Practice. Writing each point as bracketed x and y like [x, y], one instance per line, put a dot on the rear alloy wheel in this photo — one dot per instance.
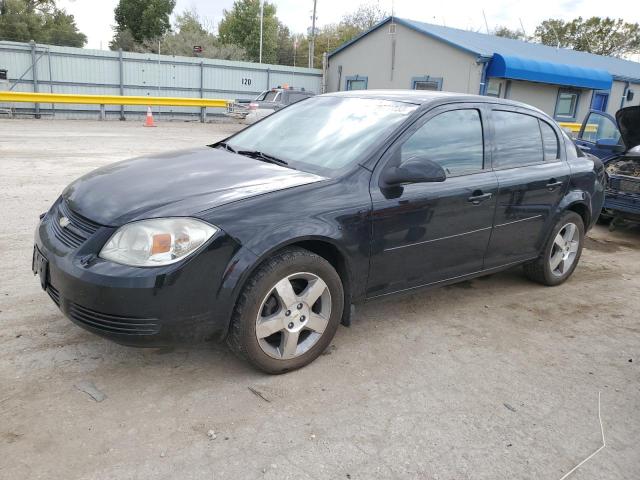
[288, 312]
[561, 254]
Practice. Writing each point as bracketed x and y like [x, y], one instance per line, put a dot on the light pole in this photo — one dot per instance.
[261, 21]
[312, 42]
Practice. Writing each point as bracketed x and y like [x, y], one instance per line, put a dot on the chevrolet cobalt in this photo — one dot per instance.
[267, 238]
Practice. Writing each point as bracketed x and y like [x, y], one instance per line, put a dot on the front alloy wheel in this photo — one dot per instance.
[288, 312]
[293, 316]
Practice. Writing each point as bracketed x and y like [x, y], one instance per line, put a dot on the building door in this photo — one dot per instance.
[425, 233]
[600, 101]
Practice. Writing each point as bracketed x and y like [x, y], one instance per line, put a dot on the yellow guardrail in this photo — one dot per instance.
[574, 127]
[29, 97]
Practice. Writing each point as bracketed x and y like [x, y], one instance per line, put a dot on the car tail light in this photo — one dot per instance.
[253, 106]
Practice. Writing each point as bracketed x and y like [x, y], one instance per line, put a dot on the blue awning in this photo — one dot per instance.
[521, 68]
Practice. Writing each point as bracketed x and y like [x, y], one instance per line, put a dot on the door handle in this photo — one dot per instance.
[553, 184]
[479, 197]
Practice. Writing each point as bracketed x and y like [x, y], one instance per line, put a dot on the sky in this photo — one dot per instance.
[95, 17]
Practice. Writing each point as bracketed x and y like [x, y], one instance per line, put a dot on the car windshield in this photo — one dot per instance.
[323, 134]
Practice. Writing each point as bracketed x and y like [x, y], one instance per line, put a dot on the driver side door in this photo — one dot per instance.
[598, 127]
[427, 233]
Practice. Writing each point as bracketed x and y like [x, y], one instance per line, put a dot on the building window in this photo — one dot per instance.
[494, 87]
[357, 82]
[426, 83]
[567, 105]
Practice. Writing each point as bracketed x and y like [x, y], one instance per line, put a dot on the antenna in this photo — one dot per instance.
[486, 24]
[524, 32]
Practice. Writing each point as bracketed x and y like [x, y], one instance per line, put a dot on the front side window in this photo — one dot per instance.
[600, 127]
[324, 133]
[517, 139]
[452, 139]
[567, 105]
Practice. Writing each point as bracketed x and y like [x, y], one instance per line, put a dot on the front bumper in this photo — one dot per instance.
[135, 306]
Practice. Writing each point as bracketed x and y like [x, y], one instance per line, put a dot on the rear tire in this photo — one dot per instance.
[288, 312]
[561, 253]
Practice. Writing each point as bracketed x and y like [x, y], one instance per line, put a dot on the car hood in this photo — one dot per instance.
[179, 183]
[629, 124]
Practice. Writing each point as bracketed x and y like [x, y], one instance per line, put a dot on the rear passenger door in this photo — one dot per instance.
[532, 177]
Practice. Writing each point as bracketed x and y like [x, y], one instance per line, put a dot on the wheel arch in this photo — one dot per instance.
[324, 247]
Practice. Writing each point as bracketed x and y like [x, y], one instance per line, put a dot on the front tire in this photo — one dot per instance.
[561, 253]
[288, 312]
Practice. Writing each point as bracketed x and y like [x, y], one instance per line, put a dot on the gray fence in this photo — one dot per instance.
[47, 68]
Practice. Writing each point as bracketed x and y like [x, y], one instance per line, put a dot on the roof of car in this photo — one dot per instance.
[423, 97]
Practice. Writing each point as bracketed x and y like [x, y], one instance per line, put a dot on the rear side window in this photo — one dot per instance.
[550, 142]
[453, 139]
[517, 139]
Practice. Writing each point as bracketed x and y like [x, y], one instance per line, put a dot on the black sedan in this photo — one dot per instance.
[267, 238]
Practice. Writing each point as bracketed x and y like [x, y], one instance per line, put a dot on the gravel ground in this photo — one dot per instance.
[495, 378]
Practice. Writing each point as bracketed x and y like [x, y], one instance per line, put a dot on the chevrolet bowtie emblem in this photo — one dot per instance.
[64, 221]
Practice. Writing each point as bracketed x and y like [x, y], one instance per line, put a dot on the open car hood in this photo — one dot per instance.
[629, 124]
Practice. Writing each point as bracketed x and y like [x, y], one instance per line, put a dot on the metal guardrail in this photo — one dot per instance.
[102, 100]
[30, 97]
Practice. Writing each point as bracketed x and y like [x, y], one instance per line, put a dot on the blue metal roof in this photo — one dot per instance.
[520, 68]
[486, 46]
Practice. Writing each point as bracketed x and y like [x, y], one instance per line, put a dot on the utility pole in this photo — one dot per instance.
[312, 41]
[261, 21]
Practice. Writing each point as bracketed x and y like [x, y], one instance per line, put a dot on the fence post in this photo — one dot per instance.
[121, 66]
[34, 74]
[203, 110]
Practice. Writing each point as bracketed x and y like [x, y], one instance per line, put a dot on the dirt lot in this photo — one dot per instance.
[496, 378]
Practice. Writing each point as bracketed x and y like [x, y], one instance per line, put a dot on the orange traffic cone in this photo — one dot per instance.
[149, 120]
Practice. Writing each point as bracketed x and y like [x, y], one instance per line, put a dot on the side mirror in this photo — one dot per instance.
[414, 170]
[610, 144]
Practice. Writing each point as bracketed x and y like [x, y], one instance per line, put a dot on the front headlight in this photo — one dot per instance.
[156, 242]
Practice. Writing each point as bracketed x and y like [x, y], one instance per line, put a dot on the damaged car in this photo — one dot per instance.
[617, 144]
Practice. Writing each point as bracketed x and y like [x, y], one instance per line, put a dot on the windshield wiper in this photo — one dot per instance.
[265, 157]
[226, 146]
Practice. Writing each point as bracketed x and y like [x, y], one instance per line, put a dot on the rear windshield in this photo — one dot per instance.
[268, 96]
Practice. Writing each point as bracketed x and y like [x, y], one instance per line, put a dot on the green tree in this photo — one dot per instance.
[506, 32]
[602, 36]
[241, 26]
[189, 31]
[144, 19]
[38, 20]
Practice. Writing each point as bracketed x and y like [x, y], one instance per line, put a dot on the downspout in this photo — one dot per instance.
[624, 94]
[483, 79]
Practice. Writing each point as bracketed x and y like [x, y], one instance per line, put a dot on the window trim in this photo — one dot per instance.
[558, 152]
[566, 118]
[356, 78]
[427, 78]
